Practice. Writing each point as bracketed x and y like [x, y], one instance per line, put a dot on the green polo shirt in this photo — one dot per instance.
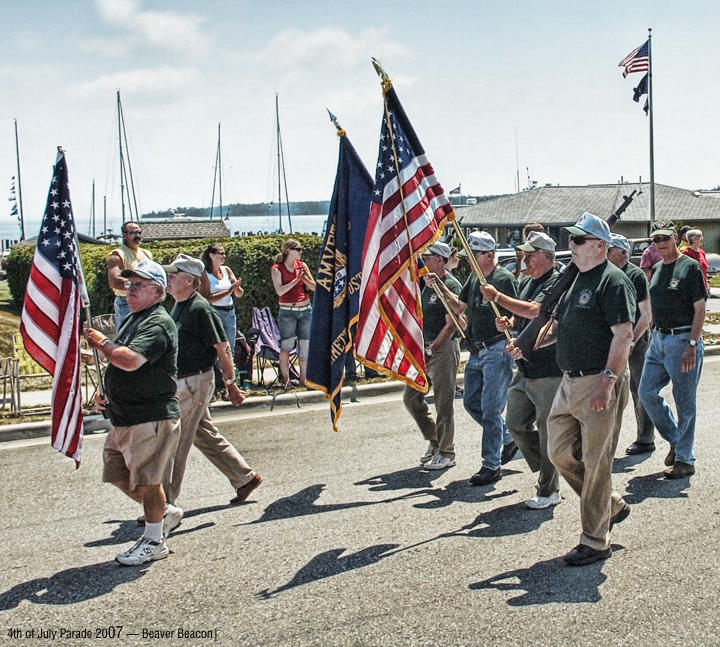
[199, 329]
[598, 299]
[433, 310]
[640, 283]
[543, 361]
[480, 314]
[674, 290]
[148, 393]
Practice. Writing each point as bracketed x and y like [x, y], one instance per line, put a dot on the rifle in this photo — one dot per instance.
[527, 341]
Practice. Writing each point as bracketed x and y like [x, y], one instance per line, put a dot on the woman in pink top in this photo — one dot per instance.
[293, 283]
[694, 250]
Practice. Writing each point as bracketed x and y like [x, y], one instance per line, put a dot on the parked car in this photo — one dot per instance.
[714, 264]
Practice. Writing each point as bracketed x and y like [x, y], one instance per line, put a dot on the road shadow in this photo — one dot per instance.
[303, 503]
[407, 479]
[549, 581]
[626, 464]
[72, 585]
[513, 519]
[463, 492]
[131, 530]
[655, 486]
[330, 563]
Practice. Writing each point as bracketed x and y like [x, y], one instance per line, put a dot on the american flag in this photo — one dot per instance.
[50, 323]
[389, 335]
[636, 61]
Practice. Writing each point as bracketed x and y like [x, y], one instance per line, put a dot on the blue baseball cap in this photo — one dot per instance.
[589, 225]
[619, 241]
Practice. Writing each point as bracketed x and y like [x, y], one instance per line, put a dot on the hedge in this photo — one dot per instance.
[249, 257]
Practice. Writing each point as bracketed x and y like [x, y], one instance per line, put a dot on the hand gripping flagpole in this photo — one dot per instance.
[386, 85]
[84, 298]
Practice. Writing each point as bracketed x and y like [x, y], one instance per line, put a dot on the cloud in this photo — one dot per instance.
[156, 82]
[328, 48]
[162, 29]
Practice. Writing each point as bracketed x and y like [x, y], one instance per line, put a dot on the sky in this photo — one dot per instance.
[490, 87]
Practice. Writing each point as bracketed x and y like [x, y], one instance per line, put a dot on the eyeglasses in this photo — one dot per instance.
[661, 238]
[581, 240]
[136, 285]
[220, 253]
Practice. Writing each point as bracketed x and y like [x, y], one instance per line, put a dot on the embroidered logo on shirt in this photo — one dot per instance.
[585, 297]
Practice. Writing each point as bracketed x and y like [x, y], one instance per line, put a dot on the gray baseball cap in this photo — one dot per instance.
[148, 270]
[619, 241]
[184, 263]
[537, 240]
[441, 249]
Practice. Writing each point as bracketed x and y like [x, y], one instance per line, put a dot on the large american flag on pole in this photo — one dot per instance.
[50, 323]
[407, 215]
[636, 61]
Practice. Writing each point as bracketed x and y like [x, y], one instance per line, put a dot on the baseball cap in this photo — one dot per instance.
[537, 240]
[589, 225]
[663, 229]
[148, 270]
[441, 249]
[184, 263]
[479, 241]
[619, 241]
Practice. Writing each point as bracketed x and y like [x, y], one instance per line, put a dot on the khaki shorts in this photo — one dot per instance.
[141, 454]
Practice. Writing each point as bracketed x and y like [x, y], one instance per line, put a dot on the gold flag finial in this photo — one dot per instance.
[333, 118]
[386, 82]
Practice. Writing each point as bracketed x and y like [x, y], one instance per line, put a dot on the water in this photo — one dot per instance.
[238, 225]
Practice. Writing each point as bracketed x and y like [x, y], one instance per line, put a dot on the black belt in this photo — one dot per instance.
[225, 308]
[191, 373]
[489, 342]
[674, 331]
[585, 373]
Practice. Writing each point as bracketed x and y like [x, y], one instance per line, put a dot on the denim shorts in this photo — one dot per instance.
[293, 323]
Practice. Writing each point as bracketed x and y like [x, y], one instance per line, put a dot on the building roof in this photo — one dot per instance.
[563, 205]
[183, 229]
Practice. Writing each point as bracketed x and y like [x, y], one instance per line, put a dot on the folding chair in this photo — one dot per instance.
[267, 347]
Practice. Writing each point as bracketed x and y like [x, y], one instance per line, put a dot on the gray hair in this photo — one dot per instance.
[692, 234]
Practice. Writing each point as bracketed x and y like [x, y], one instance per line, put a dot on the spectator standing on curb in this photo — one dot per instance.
[124, 257]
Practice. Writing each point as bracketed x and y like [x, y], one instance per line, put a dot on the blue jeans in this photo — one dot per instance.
[122, 310]
[487, 378]
[662, 364]
[229, 322]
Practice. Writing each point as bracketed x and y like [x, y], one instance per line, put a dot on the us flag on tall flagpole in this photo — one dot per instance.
[636, 61]
[50, 323]
[406, 216]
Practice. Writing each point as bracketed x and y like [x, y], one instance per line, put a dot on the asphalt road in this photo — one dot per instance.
[347, 542]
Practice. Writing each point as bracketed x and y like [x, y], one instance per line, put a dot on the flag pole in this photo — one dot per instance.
[652, 144]
[84, 298]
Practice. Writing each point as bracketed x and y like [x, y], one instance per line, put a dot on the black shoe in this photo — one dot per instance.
[485, 476]
[640, 448]
[623, 514]
[508, 452]
[582, 555]
[670, 458]
[680, 470]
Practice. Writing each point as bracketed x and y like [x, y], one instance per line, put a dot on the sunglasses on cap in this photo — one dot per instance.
[581, 240]
[661, 238]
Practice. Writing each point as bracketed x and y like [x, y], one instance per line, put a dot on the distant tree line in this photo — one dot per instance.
[307, 208]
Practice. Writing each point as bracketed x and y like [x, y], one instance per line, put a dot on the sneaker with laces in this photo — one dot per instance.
[541, 502]
[429, 454]
[440, 462]
[145, 550]
[172, 518]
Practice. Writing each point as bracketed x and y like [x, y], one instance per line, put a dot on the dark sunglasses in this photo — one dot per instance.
[661, 238]
[296, 249]
[221, 253]
[581, 240]
[136, 232]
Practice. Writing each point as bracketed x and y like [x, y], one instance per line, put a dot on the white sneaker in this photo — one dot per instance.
[145, 550]
[171, 519]
[429, 454]
[540, 502]
[440, 462]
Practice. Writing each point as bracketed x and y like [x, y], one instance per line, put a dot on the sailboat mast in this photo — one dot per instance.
[219, 167]
[122, 161]
[277, 138]
[215, 177]
[17, 156]
[92, 210]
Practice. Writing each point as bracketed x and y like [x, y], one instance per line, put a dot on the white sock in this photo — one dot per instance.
[153, 531]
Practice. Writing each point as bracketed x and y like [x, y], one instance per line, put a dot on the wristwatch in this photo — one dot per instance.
[692, 342]
[104, 341]
[608, 373]
[229, 381]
